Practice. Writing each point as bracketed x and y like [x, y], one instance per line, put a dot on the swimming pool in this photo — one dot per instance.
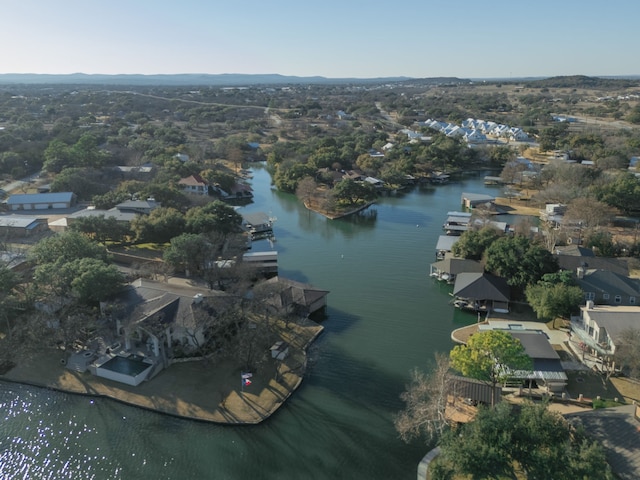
[130, 370]
[126, 365]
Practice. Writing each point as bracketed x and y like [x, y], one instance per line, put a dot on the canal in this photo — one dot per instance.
[385, 317]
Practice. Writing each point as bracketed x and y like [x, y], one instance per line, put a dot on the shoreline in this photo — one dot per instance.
[199, 391]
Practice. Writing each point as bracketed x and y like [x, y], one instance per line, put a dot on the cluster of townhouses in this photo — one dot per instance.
[478, 131]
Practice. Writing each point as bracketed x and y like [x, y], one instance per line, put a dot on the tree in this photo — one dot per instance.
[627, 353]
[623, 193]
[352, 192]
[491, 356]
[473, 243]
[554, 296]
[519, 260]
[101, 228]
[160, 226]
[589, 212]
[306, 190]
[529, 438]
[426, 401]
[189, 252]
[66, 247]
[89, 280]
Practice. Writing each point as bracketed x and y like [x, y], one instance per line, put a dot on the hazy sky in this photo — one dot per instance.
[331, 38]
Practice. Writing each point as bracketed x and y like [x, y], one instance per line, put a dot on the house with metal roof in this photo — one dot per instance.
[41, 201]
[444, 245]
[547, 371]
[14, 226]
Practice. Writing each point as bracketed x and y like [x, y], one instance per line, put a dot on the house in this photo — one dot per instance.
[377, 183]
[16, 226]
[633, 163]
[547, 372]
[160, 316]
[41, 201]
[194, 184]
[518, 135]
[481, 292]
[598, 327]
[475, 136]
[142, 207]
[299, 298]
[183, 157]
[570, 257]
[605, 287]
[123, 213]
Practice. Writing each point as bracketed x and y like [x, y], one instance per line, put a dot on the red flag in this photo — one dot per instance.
[246, 382]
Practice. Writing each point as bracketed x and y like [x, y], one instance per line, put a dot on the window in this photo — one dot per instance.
[618, 299]
[632, 300]
[605, 296]
[589, 295]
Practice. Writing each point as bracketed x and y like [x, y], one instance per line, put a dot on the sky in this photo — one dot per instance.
[330, 38]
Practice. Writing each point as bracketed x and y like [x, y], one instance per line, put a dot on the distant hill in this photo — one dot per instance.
[195, 79]
[582, 81]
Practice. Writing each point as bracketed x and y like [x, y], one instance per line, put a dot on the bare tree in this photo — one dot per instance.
[426, 401]
[628, 352]
[306, 190]
[589, 212]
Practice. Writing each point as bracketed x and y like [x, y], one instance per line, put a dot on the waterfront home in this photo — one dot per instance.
[599, 328]
[194, 184]
[547, 372]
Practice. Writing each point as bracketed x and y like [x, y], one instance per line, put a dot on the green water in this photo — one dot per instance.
[385, 316]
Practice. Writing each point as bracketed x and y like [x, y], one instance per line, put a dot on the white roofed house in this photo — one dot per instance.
[377, 183]
[518, 135]
[475, 136]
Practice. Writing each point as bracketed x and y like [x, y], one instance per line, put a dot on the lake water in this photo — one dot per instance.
[385, 317]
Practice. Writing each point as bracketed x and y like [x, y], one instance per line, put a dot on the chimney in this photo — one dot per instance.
[589, 304]
[580, 272]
